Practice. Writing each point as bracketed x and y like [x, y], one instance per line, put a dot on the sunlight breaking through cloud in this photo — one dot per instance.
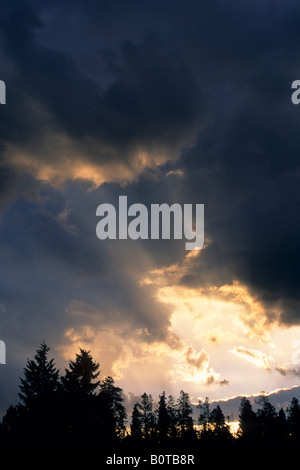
[254, 356]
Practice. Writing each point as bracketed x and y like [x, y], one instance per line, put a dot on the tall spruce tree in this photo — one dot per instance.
[247, 420]
[112, 410]
[148, 415]
[217, 419]
[163, 421]
[267, 417]
[40, 382]
[78, 400]
[80, 378]
[293, 418]
[185, 412]
[204, 415]
[173, 416]
[136, 426]
[37, 413]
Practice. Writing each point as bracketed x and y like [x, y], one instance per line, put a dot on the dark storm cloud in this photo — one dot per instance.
[245, 167]
[249, 183]
[149, 109]
[148, 73]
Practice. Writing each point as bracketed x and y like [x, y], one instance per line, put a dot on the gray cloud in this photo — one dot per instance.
[294, 372]
[197, 360]
[150, 108]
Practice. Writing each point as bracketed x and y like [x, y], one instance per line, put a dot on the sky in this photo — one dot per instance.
[185, 102]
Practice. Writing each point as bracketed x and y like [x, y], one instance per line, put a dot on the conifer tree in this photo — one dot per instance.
[81, 376]
[40, 382]
[247, 419]
[293, 418]
[282, 425]
[78, 400]
[204, 415]
[173, 416]
[136, 426]
[113, 411]
[148, 415]
[185, 412]
[217, 419]
[163, 421]
[38, 410]
[267, 417]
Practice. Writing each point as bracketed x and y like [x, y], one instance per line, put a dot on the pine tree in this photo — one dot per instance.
[293, 418]
[282, 425]
[185, 412]
[113, 411]
[37, 413]
[267, 417]
[11, 419]
[40, 384]
[78, 400]
[163, 421]
[173, 416]
[204, 415]
[217, 419]
[136, 426]
[247, 419]
[148, 415]
[80, 377]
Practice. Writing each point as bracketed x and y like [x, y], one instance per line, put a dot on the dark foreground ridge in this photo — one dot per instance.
[80, 412]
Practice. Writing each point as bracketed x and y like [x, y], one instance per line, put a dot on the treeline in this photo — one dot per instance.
[75, 410]
[260, 429]
[79, 411]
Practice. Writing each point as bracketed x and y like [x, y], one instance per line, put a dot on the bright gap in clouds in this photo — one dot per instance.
[219, 343]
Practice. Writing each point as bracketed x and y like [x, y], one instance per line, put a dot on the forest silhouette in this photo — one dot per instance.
[79, 411]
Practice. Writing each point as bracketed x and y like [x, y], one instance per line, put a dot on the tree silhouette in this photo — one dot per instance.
[11, 429]
[113, 413]
[247, 420]
[79, 414]
[163, 421]
[80, 377]
[136, 426]
[293, 418]
[267, 417]
[217, 418]
[185, 411]
[40, 382]
[173, 417]
[204, 415]
[148, 419]
[220, 429]
[35, 417]
[78, 411]
[282, 425]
